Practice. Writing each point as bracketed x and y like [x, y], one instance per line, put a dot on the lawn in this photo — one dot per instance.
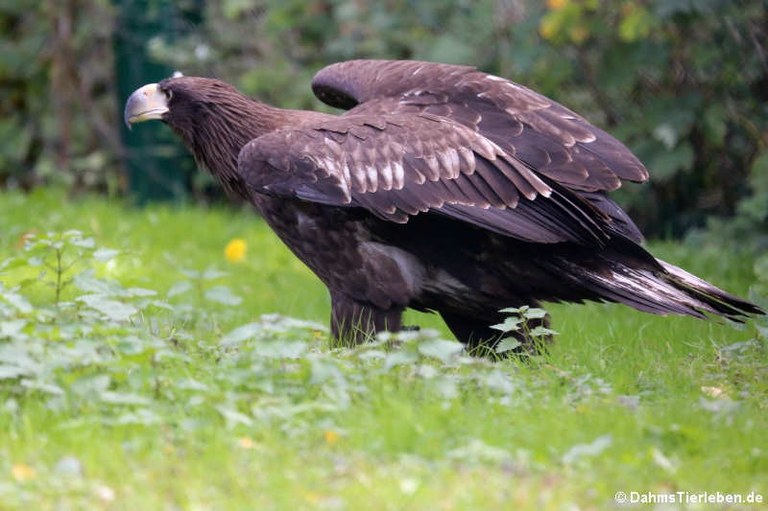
[142, 368]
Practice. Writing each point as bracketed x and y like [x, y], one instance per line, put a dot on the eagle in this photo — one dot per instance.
[441, 188]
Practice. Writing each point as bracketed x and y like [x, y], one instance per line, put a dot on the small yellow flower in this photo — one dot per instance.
[246, 443]
[23, 472]
[235, 250]
[331, 437]
[313, 498]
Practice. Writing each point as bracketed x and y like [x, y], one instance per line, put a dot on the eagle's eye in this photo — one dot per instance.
[168, 94]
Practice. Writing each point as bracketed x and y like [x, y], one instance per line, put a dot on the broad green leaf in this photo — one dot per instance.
[141, 416]
[43, 386]
[86, 243]
[134, 292]
[212, 274]
[581, 451]
[440, 349]
[111, 309]
[123, 398]
[241, 333]
[510, 324]
[234, 417]
[11, 372]
[535, 313]
[104, 255]
[287, 349]
[19, 302]
[10, 329]
[18, 354]
[88, 282]
[541, 331]
[91, 386]
[508, 344]
[398, 358]
[223, 295]
[665, 164]
[666, 134]
[180, 287]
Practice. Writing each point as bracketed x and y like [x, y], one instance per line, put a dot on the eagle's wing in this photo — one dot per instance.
[549, 138]
[397, 166]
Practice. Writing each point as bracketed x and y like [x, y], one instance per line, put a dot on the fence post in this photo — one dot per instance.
[158, 167]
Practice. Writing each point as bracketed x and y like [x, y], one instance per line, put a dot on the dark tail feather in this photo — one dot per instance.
[714, 300]
[665, 289]
[626, 273]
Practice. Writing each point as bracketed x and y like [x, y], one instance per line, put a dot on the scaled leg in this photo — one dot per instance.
[354, 322]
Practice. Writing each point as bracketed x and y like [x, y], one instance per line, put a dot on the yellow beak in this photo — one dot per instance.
[146, 103]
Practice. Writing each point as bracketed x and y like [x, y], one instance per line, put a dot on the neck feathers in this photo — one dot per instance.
[219, 130]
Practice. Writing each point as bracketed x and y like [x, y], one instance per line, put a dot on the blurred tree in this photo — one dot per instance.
[22, 84]
[56, 119]
[683, 82]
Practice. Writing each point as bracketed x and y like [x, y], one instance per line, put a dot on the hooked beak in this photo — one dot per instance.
[146, 103]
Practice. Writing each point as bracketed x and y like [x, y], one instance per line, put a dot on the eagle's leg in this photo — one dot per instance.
[477, 333]
[353, 322]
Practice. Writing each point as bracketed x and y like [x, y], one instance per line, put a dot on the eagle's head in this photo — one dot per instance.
[213, 119]
[182, 99]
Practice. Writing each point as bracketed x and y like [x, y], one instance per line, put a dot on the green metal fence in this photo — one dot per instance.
[158, 167]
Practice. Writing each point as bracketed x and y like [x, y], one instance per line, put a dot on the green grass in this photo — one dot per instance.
[199, 402]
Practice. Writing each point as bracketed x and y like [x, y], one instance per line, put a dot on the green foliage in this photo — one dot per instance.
[523, 321]
[58, 254]
[50, 342]
[683, 84]
[58, 118]
[139, 363]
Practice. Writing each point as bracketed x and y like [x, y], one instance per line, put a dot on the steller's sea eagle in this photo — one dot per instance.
[441, 188]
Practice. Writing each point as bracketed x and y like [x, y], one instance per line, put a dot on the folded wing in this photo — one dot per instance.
[400, 165]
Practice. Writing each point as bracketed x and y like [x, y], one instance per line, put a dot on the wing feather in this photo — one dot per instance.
[547, 137]
[403, 165]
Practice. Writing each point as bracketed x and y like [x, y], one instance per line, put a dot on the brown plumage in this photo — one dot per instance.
[442, 189]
